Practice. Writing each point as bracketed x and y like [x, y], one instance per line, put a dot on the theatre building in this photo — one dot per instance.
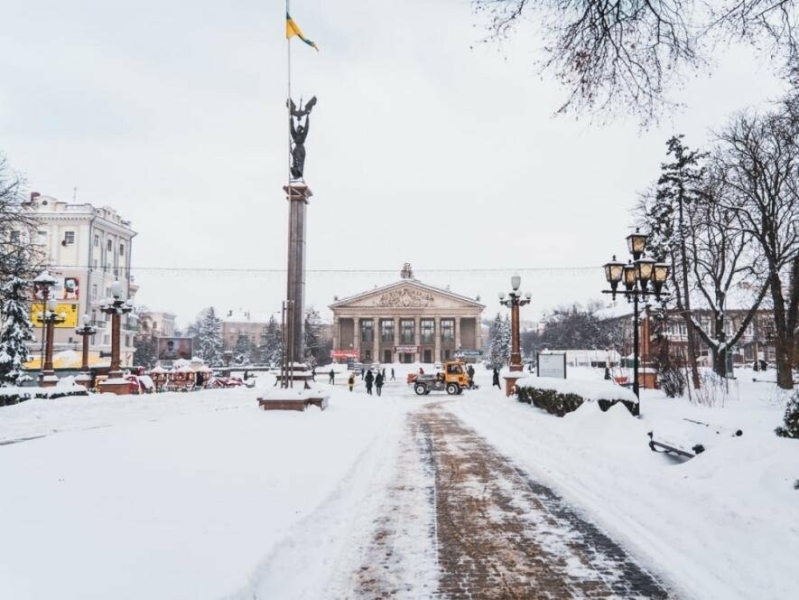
[406, 321]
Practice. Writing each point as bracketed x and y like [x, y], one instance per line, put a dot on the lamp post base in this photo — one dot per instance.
[48, 379]
[115, 384]
[510, 381]
[84, 379]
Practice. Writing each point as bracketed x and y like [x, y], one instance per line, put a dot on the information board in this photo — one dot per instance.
[551, 364]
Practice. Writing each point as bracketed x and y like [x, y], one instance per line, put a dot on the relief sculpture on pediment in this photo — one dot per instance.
[406, 298]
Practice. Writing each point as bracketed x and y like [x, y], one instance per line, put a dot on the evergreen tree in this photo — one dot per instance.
[499, 343]
[791, 428]
[16, 331]
[209, 338]
[242, 350]
[272, 343]
[506, 339]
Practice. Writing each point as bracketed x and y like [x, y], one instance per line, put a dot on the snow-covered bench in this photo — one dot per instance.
[688, 441]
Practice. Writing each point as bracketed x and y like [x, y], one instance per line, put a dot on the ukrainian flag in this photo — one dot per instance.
[293, 29]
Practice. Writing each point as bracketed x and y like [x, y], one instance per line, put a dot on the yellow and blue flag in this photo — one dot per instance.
[293, 29]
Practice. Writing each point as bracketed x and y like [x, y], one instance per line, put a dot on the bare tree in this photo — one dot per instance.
[759, 158]
[17, 227]
[722, 261]
[623, 55]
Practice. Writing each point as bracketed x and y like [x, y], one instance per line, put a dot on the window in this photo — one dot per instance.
[94, 291]
[69, 238]
[387, 331]
[106, 341]
[407, 330]
[367, 331]
[42, 237]
[447, 330]
[96, 240]
[15, 237]
[110, 246]
[427, 329]
[122, 249]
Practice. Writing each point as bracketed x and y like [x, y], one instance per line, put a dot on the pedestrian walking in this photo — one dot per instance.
[351, 380]
[369, 379]
[383, 373]
[379, 382]
[495, 379]
[313, 374]
[470, 373]
[362, 373]
[332, 377]
[392, 374]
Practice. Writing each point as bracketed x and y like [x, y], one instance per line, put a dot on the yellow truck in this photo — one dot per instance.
[453, 379]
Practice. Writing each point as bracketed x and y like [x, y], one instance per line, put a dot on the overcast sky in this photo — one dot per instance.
[425, 146]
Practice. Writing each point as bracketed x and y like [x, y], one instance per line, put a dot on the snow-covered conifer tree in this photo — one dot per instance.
[209, 338]
[272, 343]
[499, 347]
[16, 331]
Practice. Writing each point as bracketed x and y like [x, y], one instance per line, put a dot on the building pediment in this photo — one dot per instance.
[407, 294]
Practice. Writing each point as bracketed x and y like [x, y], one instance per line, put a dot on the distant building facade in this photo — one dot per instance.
[86, 249]
[406, 321]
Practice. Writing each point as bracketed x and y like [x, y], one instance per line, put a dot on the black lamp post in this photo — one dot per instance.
[636, 275]
[115, 307]
[514, 301]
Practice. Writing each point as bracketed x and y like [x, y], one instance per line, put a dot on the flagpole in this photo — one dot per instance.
[288, 100]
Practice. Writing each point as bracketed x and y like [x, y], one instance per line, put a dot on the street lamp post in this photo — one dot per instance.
[115, 307]
[50, 318]
[85, 331]
[514, 301]
[42, 285]
[636, 275]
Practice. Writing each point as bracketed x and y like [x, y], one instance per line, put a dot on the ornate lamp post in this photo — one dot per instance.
[514, 301]
[115, 307]
[42, 285]
[50, 318]
[85, 332]
[636, 275]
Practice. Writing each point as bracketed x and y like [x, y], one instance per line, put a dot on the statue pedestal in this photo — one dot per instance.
[510, 380]
[297, 193]
[48, 379]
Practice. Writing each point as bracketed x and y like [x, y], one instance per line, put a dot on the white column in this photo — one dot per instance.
[396, 337]
[437, 339]
[457, 333]
[356, 335]
[417, 337]
[376, 334]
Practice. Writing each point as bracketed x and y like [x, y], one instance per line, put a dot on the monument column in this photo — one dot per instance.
[297, 194]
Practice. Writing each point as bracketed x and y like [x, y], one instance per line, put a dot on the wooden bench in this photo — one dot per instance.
[299, 404]
[674, 447]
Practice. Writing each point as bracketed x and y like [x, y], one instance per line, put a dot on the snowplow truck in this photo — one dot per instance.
[452, 379]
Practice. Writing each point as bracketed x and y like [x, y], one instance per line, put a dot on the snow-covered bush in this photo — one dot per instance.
[672, 381]
[791, 428]
[13, 395]
[561, 402]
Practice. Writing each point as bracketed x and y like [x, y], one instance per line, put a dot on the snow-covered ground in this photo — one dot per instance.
[203, 495]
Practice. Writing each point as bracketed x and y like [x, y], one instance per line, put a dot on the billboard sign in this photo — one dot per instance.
[344, 354]
[551, 365]
[469, 354]
[407, 349]
[68, 312]
[173, 348]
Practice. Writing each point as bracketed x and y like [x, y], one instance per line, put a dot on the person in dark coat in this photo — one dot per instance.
[392, 374]
[332, 377]
[495, 379]
[379, 382]
[369, 379]
[351, 380]
[470, 373]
